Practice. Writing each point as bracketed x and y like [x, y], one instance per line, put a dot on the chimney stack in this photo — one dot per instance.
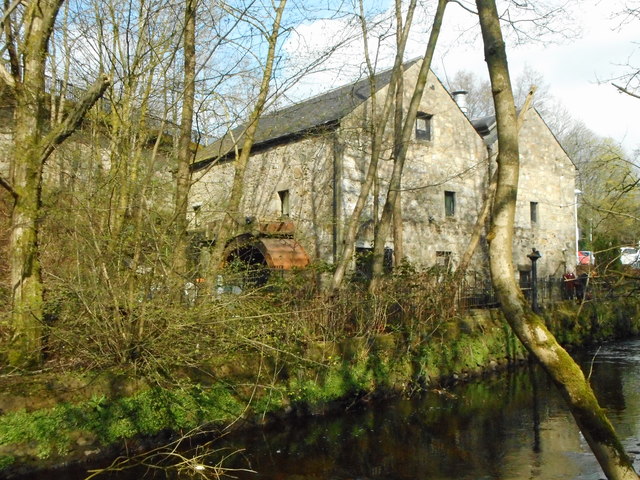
[460, 97]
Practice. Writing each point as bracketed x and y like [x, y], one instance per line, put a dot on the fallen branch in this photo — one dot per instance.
[73, 120]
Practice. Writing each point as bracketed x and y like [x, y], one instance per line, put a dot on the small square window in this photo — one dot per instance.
[449, 204]
[533, 210]
[423, 126]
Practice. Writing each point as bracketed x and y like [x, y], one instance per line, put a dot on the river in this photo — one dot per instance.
[509, 426]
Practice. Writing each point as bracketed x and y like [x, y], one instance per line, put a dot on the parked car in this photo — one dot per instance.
[630, 256]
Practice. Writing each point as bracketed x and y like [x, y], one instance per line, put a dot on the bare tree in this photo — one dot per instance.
[529, 327]
[610, 192]
[479, 102]
[185, 151]
[235, 195]
[629, 81]
[400, 151]
[379, 121]
[27, 34]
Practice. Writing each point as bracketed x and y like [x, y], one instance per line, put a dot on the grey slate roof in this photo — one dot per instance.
[486, 127]
[315, 112]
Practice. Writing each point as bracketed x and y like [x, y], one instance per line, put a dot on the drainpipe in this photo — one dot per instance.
[576, 193]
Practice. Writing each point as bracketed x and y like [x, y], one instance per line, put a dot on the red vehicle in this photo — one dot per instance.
[586, 257]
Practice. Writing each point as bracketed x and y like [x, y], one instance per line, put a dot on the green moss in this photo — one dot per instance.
[338, 371]
[6, 461]
[146, 413]
[593, 322]
[271, 399]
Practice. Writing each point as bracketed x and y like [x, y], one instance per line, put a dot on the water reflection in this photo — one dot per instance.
[513, 426]
[509, 427]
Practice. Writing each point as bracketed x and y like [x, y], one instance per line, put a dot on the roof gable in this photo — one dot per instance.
[488, 129]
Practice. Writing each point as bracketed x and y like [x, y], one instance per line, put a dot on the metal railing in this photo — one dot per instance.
[479, 293]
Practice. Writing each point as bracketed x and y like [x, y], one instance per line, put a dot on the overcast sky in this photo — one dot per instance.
[577, 69]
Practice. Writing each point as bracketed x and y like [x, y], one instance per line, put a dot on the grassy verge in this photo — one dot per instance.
[277, 366]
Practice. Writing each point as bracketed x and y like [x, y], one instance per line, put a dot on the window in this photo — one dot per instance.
[533, 209]
[284, 203]
[449, 204]
[423, 126]
[443, 259]
[364, 262]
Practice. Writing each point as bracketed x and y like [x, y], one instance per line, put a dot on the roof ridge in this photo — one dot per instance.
[345, 86]
[321, 109]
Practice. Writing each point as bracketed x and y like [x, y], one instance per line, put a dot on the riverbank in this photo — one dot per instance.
[52, 419]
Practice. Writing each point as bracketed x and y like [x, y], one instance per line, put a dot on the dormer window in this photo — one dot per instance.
[423, 126]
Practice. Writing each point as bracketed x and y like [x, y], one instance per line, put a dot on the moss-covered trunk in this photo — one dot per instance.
[33, 144]
[26, 178]
[528, 326]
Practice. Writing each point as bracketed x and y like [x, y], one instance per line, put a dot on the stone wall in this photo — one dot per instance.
[547, 178]
[330, 167]
[453, 160]
[302, 168]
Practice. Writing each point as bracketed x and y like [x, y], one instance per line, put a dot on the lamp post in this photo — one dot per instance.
[534, 256]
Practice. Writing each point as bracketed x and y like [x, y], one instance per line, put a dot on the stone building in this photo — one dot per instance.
[308, 163]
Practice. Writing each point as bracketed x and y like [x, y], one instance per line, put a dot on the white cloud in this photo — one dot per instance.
[573, 68]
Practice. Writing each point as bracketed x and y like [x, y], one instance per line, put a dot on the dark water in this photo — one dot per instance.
[511, 426]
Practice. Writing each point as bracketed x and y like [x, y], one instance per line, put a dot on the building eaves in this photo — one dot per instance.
[486, 127]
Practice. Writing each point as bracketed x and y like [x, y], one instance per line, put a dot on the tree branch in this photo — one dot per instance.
[4, 183]
[73, 120]
[624, 90]
[9, 10]
[464, 7]
[6, 76]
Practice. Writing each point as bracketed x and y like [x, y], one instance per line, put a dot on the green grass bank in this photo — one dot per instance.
[51, 419]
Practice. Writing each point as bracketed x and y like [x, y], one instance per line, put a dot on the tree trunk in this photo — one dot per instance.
[398, 237]
[400, 151]
[26, 177]
[32, 148]
[235, 197]
[529, 327]
[185, 153]
[378, 128]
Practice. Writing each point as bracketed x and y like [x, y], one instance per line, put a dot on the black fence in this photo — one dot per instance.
[475, 292]
[479, 293]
